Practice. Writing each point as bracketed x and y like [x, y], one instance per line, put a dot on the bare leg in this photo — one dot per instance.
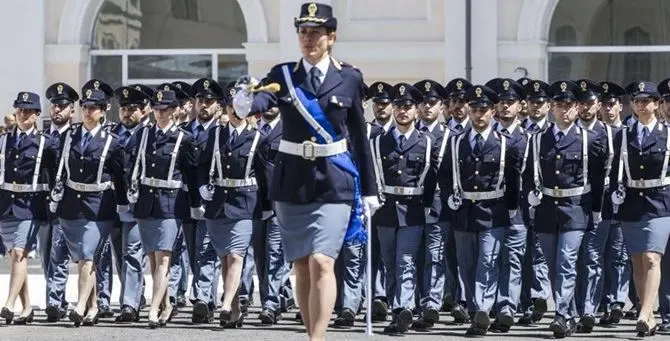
[322, 294]
[18, 269]
[161, 262]
[86, 285]
[302, 288]
[231, 283]
[652, 274]
[24, 295]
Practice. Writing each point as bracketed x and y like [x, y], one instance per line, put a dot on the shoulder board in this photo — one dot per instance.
[250, 127]
[43, 133]
[291, 65]
[507, 135]
[112, 135]
[74, 126]
[184, 130]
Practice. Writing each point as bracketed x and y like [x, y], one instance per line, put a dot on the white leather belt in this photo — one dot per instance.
[82, 187]
[310, 150]
[649, 183]
[566, 193]
[160, 183]
[236, 182]
[477, 196]
[398, 190]
[23, 188]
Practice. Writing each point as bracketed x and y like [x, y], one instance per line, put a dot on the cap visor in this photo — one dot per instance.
[26, 106]
[480, 104]
[160, 106]
[510, 98]
[403, 102]
[61, 101]
[381, 100]
[564, 98]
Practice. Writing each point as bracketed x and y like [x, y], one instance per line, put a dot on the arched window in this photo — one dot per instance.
[565, 35]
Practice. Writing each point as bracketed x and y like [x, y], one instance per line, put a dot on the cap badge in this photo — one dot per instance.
[25, 97]
[89, 92]
[478, 92]
[166, 88]
[125, 93]
[427, 86]
[96, 85]
[311, 9]
[178, 86]
[459, 85]
[641, 87]
[159, 96]
[59, 88]
[606, 87]
[506, 85]
[402, 90]
[536, 87]
[205, 84]
[583, 85]
[524, 82]
[380, 88]
[564, 87]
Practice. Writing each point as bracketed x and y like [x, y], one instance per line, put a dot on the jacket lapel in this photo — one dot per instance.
[333, 79]
[241, 139]
[653, 136]
[632, 137]
[490, 142]
[411, 141]
[75, 143]
[568, 139]
[300, 79]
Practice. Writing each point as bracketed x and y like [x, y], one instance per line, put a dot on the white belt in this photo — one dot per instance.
[236, 182]
[310, 150]
[159, 183]
[566, 193]
[82, 187]
[398, 190]
[649, 183]
[476, 196]
[23, 188]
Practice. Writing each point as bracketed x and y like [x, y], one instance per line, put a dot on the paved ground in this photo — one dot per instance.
[287, 330]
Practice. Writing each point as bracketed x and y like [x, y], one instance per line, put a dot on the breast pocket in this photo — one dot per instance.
[339, 105]
[416, 163]
[574, 163]
[491, 163]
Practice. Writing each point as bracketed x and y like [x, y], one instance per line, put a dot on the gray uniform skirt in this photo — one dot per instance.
[647, 235]
[158, 234]
[21, 234]
[312, 228]
[84, 238]
[230, 236]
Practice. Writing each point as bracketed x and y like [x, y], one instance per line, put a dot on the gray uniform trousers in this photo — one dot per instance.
[512, 258]
[206, 265]
[434, 265]
[179, 268]
[274, 272]
[535, 274]
[350, 268]
[399, 249]
[477, 254]
[247, 285]
[131, 262]
[561, 251]
[54, 258]
[453, 282]
[605, 242]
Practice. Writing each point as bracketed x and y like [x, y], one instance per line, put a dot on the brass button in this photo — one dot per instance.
[558, 157]
[17, 156]
[81, 170]
[196, 148]
[641, 166]
[641, 194]
[640, 153]
[399, 172]
[154, 152]
[476, 172]
[151, 190]
[397, 202]
[557, 172]
[556, 202]
[81, 158]
[229, 153]
[477, 159]
[16, 169]
[13, 196]
[227, 166]
[153, 165]
[313, 139]
[400, 157]
[78, 195]
[475, 187]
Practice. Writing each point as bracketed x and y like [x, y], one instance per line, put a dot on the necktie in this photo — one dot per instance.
[55, 134]
[314, 80]
[125, 137]
[504, 130]
[424, 129]
[533, 127]
[19, 139]
[85, 140]
[266, 128]
[559, 136]
[645, 134]
[459, 127]
[198, 130]
[479, 143]
[159, 134]
[232, 138]
[401, 141]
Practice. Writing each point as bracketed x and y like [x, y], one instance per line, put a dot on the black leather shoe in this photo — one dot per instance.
[180, 301]
[448, 303]
[379, 310]
[7, 314]
[346, 318]
[75, 318]
[586, 324]
[475, 330]
[526, 319]
[664, 327]
[404, 320]
[268, 317]
[105, 312]
[23, 320]
[128, 314]
[431, 316]
[460, 315]
[287, 305]
[298, 318]
[201, 312]
[54, 314]
[616, 313]
[632, 314]
[539, 309]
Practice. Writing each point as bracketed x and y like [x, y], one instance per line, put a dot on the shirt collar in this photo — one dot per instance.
[582, 125]
[431, 126]
[204, 125]
[272, 124]
[650, 126]
[239, 129]
[539, 123]
[386, 126]
[396, 133]
[499, 126]
[321, 65]
[93, 132]
[165, 131]
[556, 130]
[61, 130]
[453, 122]
[485, 134]
[27, 132]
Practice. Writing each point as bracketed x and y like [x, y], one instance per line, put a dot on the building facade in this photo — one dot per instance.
[151, 41]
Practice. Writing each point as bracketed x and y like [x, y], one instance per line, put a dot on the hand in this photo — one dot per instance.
[370, 205]
[205, 194]
[426, 211]
[512, 214]
[597, 217]
[122, 209]
[53, 206]
[198, 213]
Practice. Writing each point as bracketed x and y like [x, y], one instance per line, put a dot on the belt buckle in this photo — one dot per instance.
[309, 150]
[398, 191]
[15, 187]
[153, 182]
[559, 192]
[80, 187]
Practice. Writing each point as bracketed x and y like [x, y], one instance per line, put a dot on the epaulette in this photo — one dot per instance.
[184, 130]
[75, 126]
[507, 135]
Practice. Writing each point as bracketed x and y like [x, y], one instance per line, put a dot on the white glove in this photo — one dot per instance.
[512, 214]
[597, 217]
[53, 206]
[370, 205]
[198, 213]
[205, 194]
[122, 209]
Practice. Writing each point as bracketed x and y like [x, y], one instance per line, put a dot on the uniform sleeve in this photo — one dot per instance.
[597, 164]
[527, 176]
[52, 160]
[117, 172]
[187, 162]
[430, 184]
[444, 173]
[260, 172]
[513, 163]
[614, 172]
[132, 149]
[359, 139]
[204, 161]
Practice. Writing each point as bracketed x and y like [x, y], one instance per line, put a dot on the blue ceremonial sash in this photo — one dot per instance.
[355, 231]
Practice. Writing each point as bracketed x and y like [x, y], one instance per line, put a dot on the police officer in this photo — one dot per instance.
[56, 256]
[131, 260]
[459, 119]
[523, 113]
[205, 264]
[83, 197]
[664, 290]
[379, 93]
[431, 263]
[639, 178]
[26, 169]
[406, 177]
[615, 281]
[564, 176]
[162, 160]
[535, 285]
[513, 250]
[481, 180]
[183, 91]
